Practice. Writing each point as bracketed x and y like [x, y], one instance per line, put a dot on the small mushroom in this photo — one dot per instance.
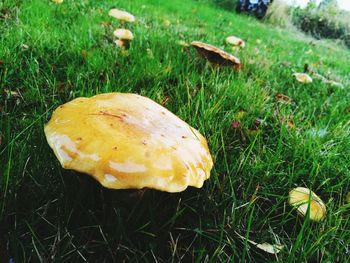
[302, 77]
[303, 199]
[126, 141]
[235, 41]
[216, 56]
[124, 36]
[121, 15]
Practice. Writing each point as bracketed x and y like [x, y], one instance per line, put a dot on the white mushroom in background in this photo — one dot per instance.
[302, 77]
[122, 16]
[124, 37]
[235, 41]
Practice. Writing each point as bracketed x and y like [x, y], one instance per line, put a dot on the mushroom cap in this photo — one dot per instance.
[121, 15]
[123, 34]
[216, 55]
[126, 141]
[302, 77]
[235, 41]
[300, 197]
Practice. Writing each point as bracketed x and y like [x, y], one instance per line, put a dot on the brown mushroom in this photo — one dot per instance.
[216, 56]
[126, 141]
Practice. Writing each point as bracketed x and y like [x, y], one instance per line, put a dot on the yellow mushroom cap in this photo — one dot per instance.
[302, 77]
[235, 41]
[300, 198]
[123, 34]
[121, 15]
[126, 141]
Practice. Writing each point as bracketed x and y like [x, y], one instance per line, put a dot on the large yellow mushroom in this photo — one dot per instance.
[303, 199]
[128, 141]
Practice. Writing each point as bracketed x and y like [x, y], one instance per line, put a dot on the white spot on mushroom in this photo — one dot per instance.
[61, 142]
[127, 167]
[110, 178]
[59, 121]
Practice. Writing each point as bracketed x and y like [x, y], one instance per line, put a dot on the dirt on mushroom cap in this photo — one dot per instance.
[128, 141]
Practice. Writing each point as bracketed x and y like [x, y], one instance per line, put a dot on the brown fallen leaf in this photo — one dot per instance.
[288, 121]
[283, 98]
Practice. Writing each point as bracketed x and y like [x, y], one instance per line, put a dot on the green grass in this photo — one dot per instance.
[53, 215]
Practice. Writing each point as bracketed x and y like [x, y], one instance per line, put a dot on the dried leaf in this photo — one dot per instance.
[283, 98]
[165, 101]
[24, 46]
[272, 249]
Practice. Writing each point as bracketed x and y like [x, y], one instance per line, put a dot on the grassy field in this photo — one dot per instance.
[50, 54]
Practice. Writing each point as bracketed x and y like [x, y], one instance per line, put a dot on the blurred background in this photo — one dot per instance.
[329, 19]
